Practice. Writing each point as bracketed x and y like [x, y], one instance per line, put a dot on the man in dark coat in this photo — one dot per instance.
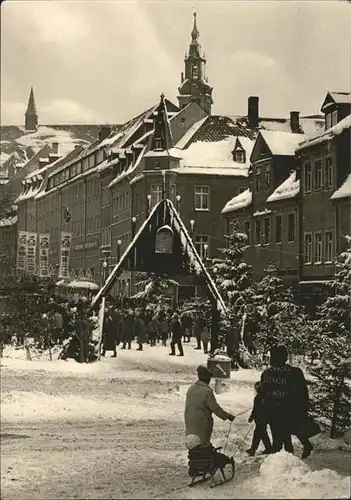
[282, 387]
[200, 404]
[233, 343]
[127, 329]
[139, 330]
[187, 325]
[199, 325]
[109, 335]
[176, 330]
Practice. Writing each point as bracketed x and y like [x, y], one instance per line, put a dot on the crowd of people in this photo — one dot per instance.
[145, 326]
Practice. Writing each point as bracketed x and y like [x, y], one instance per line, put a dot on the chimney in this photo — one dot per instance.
[295, 122]
[104, 132]
[54, 147]
[252, 111]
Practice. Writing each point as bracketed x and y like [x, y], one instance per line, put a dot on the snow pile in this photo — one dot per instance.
[242, 200]
[329, 134]
[281, 143]
[344, 190]
[284, 475]
[288, 189]
[216, 154]
[47, 135]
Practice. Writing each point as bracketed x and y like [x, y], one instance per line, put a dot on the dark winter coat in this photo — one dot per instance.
[109, 333]
[199, 405]
[139, 330]
[164, 328]
[199, 325]
[233, 340]
[176, 331]
[186, 324]
[127, 329]
[258, 413]
[284, 392]
[154, 327]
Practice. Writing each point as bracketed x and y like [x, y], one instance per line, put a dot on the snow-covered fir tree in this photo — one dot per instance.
[154, 290]
[233, 277]
[280, 320]
[332, 371]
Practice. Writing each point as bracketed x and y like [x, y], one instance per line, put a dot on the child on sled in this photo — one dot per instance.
[260, 432]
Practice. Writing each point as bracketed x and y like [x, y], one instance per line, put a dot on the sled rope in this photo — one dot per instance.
[226, 441]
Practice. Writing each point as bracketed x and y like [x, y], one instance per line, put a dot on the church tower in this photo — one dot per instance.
[31, 116]
[194, 85]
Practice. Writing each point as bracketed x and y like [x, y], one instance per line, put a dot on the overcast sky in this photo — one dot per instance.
[106, 61]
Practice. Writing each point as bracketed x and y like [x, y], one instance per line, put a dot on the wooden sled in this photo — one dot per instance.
[204, 462]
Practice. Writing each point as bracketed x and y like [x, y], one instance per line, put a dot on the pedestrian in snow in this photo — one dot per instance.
[153, 330]
[199, 324]
[127, 327]
[164, 327]
[109, 335]
[260, 432]
[176, 330]
[139, 330]
[282, 388]
[186, 324]
[200, 404]
[83, 333]
[205, 337]
[233, 343]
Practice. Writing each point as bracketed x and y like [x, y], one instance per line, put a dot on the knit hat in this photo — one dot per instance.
[204, 373]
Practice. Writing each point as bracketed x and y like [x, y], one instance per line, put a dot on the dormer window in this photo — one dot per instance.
[195, 72]
[239, 156]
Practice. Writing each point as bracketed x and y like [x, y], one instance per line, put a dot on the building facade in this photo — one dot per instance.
[297, 209]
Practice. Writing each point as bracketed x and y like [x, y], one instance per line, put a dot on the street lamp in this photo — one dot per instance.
[119, 244]
[149, 197]
[192, 224]
[205, 251]
[178, 198]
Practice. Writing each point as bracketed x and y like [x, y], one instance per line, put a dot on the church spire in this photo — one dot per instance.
[195, 33]
[31, 116]
[162, 135]
[194, 86]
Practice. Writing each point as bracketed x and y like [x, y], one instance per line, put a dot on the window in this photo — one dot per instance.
[201, 245]
[79, 167]
[328, 172]
[85, 164]
[334, 118]
[258, 179]
[247, 231]
[156, 194]
[202, 198]
[307, 178]
[267, 178]
[328, 120]
[318, 174]
[195, 72]
[266, 229]
[278, 228]
[239, 156]
[291, 227]
[318, 247]
[106, 196]
[308, 248]
[173, 193]
[328, 246]
[258, 232]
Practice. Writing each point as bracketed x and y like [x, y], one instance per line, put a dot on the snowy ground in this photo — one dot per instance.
[114, 429]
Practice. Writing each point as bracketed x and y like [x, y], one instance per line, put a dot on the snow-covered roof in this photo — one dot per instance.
[182, 143]
[216, 154]
[311, 126]
[288, 189]
[344, 190]
[174, 152]
[8, 221]
[259, 213]
[48, 135]
[281, 143]
[129, 170]
[329, 134]
[219, 171]
[240, 201]
[341, 97]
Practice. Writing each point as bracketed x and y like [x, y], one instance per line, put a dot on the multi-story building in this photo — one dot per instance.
[297, 209]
